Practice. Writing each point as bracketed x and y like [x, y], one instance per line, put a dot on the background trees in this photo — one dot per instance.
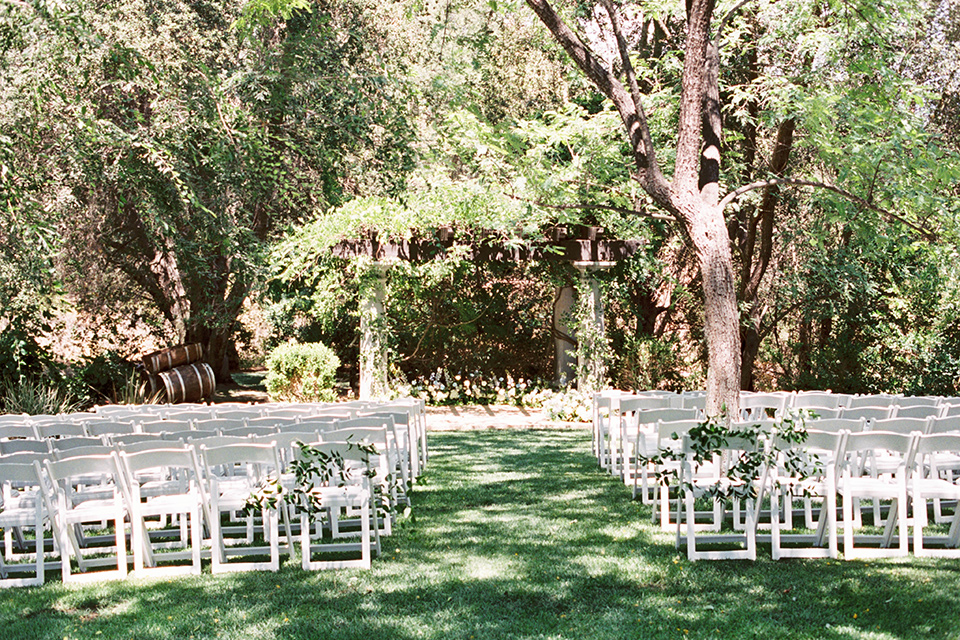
[163, 164]
[175, 141]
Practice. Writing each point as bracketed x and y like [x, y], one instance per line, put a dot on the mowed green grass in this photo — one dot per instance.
[515, 534]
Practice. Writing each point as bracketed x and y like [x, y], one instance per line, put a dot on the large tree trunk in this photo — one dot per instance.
[692, 195]
[708, 233]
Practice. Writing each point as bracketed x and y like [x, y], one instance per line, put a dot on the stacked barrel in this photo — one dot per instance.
[178, 375]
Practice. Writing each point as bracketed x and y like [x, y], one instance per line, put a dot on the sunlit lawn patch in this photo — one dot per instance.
[515, 534]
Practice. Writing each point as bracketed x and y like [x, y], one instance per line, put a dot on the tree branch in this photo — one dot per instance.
[763, 184]
[650, 178]
[631, 75]
[727, 16]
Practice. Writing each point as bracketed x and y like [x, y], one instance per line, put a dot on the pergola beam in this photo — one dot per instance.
[573, 250]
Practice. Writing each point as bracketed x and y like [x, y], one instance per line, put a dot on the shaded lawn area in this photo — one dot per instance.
[516, 534]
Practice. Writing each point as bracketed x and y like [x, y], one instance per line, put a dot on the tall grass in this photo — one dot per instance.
[34, 397]
[515, 535]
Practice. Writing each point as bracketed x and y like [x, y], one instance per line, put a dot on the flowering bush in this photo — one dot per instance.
[572, 406]
[444, 388]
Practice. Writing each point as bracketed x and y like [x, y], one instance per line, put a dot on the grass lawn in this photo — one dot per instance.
[516, 534]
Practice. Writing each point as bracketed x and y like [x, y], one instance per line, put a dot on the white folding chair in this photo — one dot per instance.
[605, 407]
[73, 506]
[16, 431]
[405, 430]
[623, 431]
[379, 432]
[229, 492]
[165, 426]
[918, 401]
[641, 439]
[343, 492]
[857, 482]
[870, 400]
[814, 400]
[763, 406]
[108, 427]
[806, 470]
[816, 413]
[920, 411]
[695, 484]
[21, 509]
[56, 430]
[927, 483]
[17, 446]
[867, 413]
[163, 483]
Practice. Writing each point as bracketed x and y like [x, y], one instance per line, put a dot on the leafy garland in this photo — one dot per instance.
[709, 440]
[312, 470]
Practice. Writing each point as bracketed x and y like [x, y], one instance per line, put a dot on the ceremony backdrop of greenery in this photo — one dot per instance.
[166, 166]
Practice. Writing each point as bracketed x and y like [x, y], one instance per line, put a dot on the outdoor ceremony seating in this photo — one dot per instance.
[330, 501]
[868, 459]
[164, 483]
[161, 488]
[73, 503]
[22, 509]
[930, 482]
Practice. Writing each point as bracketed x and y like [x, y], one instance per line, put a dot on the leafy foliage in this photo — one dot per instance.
[741, 474]
[312, 470]
[35, 396]
[302, 373]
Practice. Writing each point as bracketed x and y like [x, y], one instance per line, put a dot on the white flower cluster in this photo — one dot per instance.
[444, 387]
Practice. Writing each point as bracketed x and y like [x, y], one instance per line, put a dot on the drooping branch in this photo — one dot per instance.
[634, 120]
[631, 75]
[763, 184]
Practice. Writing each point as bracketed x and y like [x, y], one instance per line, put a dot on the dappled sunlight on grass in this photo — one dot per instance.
[514, 535]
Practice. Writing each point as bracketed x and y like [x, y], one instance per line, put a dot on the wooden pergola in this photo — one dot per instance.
[586, 254]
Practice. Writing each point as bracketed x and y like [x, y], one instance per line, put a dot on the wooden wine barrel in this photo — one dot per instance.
[153, 387]
[189, 383]
[167, 359]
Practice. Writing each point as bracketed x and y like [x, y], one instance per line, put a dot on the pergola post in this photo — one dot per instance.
[592, 348]
[564, 336]
[373, 344]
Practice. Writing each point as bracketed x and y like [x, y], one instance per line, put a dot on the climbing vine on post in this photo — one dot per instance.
[593, 345]
[374, 331]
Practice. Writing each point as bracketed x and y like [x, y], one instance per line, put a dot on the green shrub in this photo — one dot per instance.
[302, 373]
[20, 355]
[101, 379]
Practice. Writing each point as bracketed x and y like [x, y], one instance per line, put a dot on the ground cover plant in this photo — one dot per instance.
[515, 534]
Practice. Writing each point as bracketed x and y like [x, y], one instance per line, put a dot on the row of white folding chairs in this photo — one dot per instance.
[95, 487]
[613, 410]
[396, 444]
[409, 415]
[901, 469]
[665, 433]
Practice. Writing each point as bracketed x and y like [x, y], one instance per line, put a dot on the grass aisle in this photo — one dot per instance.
[516, 535]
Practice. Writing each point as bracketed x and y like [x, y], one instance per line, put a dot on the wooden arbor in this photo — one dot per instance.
[587, 254]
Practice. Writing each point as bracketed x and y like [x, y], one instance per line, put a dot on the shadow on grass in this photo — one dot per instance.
[516, 535]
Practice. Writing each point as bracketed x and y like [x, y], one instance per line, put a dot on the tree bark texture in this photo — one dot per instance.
[693, 193]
